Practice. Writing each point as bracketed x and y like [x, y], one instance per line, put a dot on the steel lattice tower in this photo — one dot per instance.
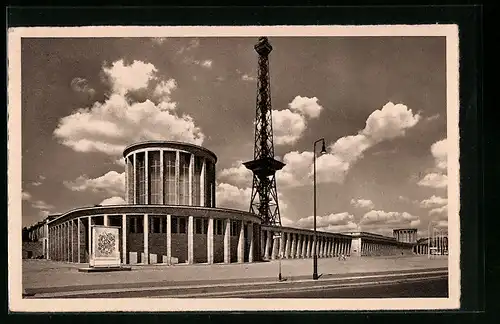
[264, 199]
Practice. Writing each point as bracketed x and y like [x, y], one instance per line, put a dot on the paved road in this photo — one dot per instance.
[434, 288]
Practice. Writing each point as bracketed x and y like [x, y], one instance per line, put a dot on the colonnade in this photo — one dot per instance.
[290, 245]
[70, 240]
[405, 235]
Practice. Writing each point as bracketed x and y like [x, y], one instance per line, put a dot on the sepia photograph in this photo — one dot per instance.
[233, 168]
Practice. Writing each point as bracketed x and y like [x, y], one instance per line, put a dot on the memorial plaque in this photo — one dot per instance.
[105, 246]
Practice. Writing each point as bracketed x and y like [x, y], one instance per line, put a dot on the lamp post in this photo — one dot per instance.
[315, 249]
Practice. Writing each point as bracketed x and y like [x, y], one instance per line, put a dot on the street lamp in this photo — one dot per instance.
[315, 250]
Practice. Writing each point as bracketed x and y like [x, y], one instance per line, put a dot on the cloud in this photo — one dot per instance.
[286, 221]
[159, 40]
[206, 63]
[306, 106]
[26, 195]
[81, 85]
[112, 183]
[433, 202]
[434, 180]
[362, 203]
[440, 212]
[246, 77]
[383, 222]
[229, 196]
[433, 117]
[330, 223]
[40, 204]
[385, 124]
[36, 183]
[113, 201]
[439, 151]
[194, 43]
[389, 122]
[109, 126]
[237, 175]
[288, 126]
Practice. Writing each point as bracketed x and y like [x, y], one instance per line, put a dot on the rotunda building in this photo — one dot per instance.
[170, 214]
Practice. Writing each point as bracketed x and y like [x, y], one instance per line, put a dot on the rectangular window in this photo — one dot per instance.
[175, 225]
[164, 225]
[156, 225]
[199, 225]
[141, 178]
[219, 225]
[140, 224]
[155, 181]
[235, 228]
[198, 162]
[182, 225]
[185, 160]
[209, 170]
[169, 178]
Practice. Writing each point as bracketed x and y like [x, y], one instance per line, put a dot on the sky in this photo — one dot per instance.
[379, 103]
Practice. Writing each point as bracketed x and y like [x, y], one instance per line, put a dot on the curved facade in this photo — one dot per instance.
[169, 173]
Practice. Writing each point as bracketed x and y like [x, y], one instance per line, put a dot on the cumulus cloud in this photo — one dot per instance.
[111, 125]
[286, 221]
[81, 85]
[440, 212]
[440, 152]
[433, 117]
[246, 77]
[194, 43]
[392, 121]
[40, 204]
[288, 126]
[206, 63]
[434, 180]
[26, 195]
[113, 201]
[383, 222]
[330, 223]
[112, 183]
[229, 196]
[362, 203]
[237, 175]
[433, 201]
[306, 106]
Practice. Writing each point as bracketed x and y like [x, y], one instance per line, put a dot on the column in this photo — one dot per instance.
[169, 239]
[250, 238]
[90, 237]
[298, 254]
[190, 177]
[227, 241]
[202, 182]
[190, 240]
[72, 222]
[282, 245]
[177, 163]
[304, 246]
[127, 198]
[293, 249]
[146, 238]
[162, 178]
[287, 246]
[330, 244]
[309, 246]
[124, 239]
[275, 248]
[146, 185]
[268, 245]
[134, 167]
[106, 220]
[48, 252]
[241, 243]
[210, 241]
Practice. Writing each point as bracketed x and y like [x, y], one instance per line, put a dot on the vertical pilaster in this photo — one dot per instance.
[190, 239]
[227, 241]
[310, 240]
[304, 246]
[269, 240]
[287, 245]
[162, 178]
[294, 245]
[210, 241]
[202, 182]
[191, 171]
[124, 239]
[281, 253]
[106, 220]
[146, 176]
[250, 239]
[241, 243]
[127, 198]
[169, 239]
[298, 254]
[90, 237]
[177, 172]
[134, 167]
[275, 248]
[146, 238]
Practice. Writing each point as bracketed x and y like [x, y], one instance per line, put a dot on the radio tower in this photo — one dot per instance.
[264, 199]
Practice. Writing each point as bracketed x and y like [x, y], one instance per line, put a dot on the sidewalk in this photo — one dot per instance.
[43, 275]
